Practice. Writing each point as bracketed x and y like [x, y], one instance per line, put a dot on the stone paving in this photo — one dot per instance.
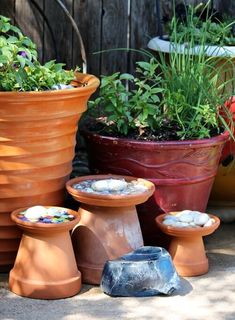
[207, 297]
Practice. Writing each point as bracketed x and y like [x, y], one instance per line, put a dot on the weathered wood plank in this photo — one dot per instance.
[61, 27]
[30, 21]
[227, 6]
[7, 8]
[87, 15]
[143, 27]
[114, 35]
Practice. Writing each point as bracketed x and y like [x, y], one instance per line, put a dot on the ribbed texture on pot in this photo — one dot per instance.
[37, 141]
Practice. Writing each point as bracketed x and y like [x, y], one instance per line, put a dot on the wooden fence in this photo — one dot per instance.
[104, 25]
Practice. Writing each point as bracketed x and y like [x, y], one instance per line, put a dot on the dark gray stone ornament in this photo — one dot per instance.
[144, 272]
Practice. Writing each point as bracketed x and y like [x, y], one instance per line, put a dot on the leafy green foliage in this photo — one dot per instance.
[20, 69]
[184, 92]
[213, 33]
[126, 109]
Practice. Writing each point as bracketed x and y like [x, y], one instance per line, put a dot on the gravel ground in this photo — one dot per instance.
[211, 296]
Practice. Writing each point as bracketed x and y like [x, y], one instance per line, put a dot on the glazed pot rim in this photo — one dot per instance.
[45, 226]
[99, 196]
[188, 229]
[218, 139]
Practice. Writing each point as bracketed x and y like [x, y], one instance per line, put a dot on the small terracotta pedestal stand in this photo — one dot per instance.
[187, 248]
[45, 266]
[109, 226]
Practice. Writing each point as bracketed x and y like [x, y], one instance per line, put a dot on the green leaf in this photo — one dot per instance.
[21, 61]
[3, 59]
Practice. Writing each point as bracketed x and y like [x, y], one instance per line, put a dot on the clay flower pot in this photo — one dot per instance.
[37, 141]
[182, 171]
[108, 228]
[187, 248]
[45, 266]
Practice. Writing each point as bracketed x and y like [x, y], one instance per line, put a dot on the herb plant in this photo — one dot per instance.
[212, 31]
[128, 109]
[178, 98]
[20, 69]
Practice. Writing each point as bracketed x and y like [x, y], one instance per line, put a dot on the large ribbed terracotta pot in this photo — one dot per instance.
[37, 141]
[182, 171]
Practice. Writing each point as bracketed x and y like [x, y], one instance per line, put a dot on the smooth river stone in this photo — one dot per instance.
[35, 213]
[147, 271]
[109, 185]
[201, 219]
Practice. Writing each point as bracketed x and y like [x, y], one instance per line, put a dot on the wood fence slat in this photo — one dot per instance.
[30, 21]
[62, 31]
[143, 27]
[114, 35]
[87, 15]
[7, 8]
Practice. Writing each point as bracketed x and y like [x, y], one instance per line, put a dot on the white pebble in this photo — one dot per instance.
[186, 217]
[109, 185]
[169, 222]
[209, 223]
[201, 219]
[35, 213]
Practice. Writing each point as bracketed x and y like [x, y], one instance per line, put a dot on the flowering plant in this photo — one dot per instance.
[20, 69]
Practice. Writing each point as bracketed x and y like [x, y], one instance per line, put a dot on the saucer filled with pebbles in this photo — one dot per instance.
[104, 189]
[41, 214]
[188, 219]
[112, 186]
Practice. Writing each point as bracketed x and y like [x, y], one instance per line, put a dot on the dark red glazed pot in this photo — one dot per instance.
[182, 171]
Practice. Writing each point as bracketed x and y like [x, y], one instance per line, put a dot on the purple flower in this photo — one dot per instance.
[22, 54]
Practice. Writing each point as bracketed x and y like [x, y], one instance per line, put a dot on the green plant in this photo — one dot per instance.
[181, 99]
[20, 69]
[212, 31]
[129, 109]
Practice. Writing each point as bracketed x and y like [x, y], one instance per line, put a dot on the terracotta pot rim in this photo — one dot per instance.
[187, 232]
[92, 82]
[97, 196]
[219, 139]
[46, 226]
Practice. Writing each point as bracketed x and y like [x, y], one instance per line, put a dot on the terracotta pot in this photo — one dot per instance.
[182, 171]
[187, 248]
[108, 228]
[37, 140]
[45, 266]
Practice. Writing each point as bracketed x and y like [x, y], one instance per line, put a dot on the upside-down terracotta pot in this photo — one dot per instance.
[108, 228]
[37, 141]
[183, 173]
[187, 248]
[45, 265]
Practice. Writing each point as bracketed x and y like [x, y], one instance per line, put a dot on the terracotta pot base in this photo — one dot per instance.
[69, 287]
[187, 248]
[45, 266]
[189, 256]
[90, 274]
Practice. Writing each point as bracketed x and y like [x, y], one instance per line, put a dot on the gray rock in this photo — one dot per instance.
[144, 272]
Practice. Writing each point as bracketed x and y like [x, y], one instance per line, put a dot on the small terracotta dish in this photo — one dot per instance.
[187, 248]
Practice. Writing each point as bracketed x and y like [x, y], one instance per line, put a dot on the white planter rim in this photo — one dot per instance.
[161, 45]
